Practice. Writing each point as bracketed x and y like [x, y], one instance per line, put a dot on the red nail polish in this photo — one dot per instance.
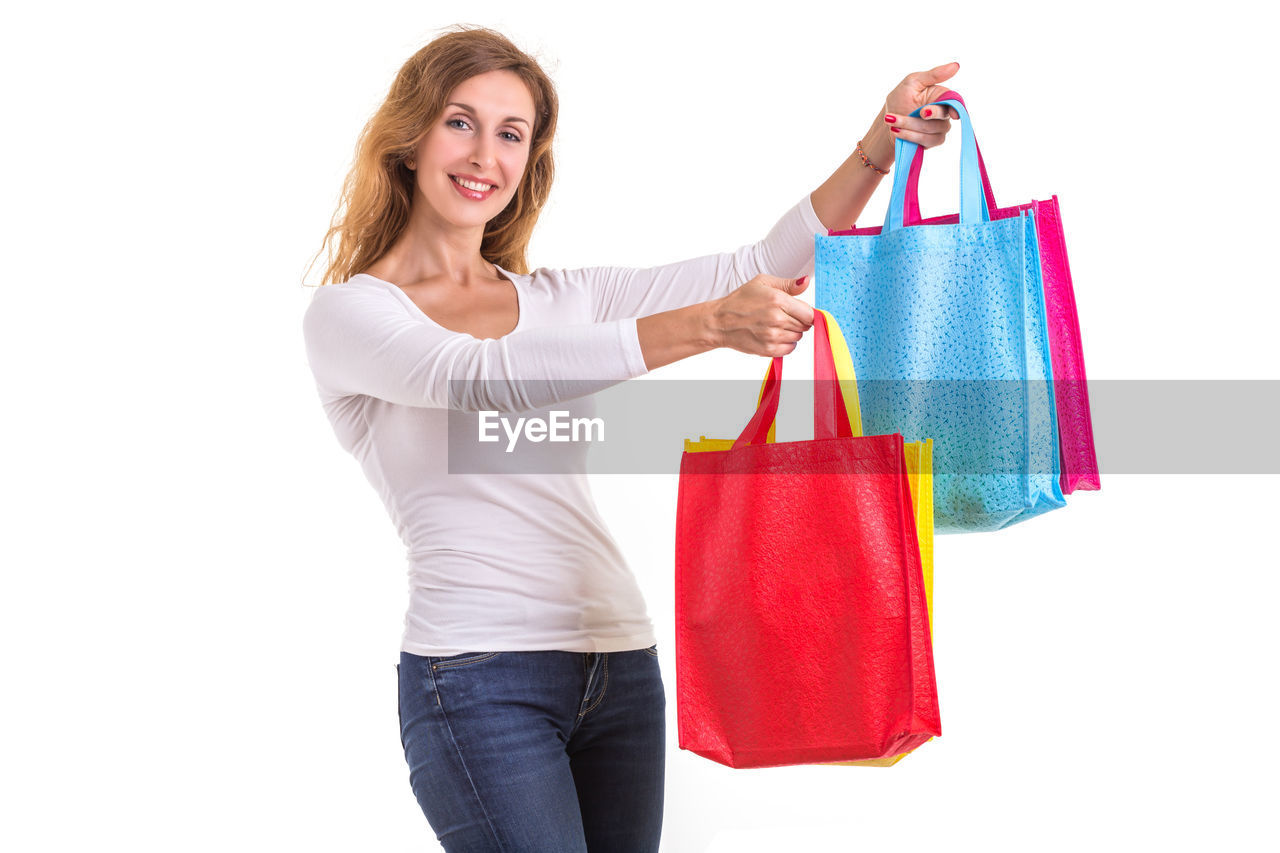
[893, 130]
[890, 119]
[800, 280]
[928, 113]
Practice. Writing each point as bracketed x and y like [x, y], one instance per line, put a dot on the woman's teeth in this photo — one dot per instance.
[472, 185]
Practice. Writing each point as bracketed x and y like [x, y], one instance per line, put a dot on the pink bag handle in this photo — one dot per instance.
[830, 417]
[913, 216]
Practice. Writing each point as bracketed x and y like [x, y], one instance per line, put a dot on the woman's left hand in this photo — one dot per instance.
[916, 90]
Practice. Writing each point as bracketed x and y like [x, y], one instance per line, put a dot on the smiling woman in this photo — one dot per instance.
[433, 106]
[532, 710]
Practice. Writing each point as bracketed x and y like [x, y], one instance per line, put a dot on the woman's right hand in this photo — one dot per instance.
[763, 317]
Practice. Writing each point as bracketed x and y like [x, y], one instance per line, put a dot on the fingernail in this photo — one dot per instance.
[928, 113]
[890, 119]
[800, 280]
[893, 130]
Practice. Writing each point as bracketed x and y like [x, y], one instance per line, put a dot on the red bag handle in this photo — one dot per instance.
[830, 417]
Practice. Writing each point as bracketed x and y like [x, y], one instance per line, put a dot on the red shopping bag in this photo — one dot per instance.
[802, 634]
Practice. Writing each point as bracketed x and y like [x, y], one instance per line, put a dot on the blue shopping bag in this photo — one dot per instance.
[946, 328]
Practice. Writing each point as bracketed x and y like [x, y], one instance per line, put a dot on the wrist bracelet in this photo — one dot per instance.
[866, 161]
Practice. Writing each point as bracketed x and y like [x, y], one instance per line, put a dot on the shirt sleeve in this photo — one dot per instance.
[786, 251]
[364, 342]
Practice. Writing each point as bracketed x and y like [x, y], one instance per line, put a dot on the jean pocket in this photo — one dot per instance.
[464, 659]
[653, 650]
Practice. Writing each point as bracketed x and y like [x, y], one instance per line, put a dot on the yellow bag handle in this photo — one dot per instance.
[844, 372]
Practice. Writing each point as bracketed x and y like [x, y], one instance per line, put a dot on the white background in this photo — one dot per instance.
[202, 597]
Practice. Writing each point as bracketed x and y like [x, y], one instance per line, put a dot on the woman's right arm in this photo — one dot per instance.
[364, 342]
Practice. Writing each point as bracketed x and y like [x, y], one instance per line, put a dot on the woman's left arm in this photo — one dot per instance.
[843, 196]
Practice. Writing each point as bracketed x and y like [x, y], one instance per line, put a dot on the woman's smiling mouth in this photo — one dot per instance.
[472, 189]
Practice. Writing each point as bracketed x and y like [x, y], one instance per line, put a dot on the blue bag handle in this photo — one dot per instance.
[973, 203]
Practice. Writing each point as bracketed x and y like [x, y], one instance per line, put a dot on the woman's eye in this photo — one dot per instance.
[461, 124]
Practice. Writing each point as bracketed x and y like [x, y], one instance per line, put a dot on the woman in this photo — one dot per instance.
[531, 704]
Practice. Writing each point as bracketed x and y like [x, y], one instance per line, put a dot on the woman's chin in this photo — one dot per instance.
[463, 214]
[472, 218]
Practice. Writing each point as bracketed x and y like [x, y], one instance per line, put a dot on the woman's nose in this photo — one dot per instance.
[482, 154]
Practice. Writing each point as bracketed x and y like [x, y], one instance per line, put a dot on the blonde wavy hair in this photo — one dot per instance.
[377, 195]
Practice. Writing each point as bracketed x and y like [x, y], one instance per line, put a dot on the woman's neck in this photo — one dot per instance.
[433, 250]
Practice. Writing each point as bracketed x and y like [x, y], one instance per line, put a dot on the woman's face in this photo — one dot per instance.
[482, 138]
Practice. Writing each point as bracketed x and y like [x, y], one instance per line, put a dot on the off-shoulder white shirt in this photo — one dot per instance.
[509, 562]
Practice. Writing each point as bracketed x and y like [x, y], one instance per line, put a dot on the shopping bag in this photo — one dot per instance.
[802, 628]
[919, 476]
[919, 464]
[947, 331]
[1077, 454]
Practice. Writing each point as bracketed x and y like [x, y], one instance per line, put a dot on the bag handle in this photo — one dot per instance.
[836, 413]
[913, 214]
[973, 205]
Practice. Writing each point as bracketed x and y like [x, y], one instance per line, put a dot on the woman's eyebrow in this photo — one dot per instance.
[473, 112]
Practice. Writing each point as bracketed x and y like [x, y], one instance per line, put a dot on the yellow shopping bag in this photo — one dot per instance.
[919, 464]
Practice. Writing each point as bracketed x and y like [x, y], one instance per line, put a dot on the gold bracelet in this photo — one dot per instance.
[866, 161]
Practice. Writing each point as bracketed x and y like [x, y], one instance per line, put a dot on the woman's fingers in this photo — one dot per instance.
[926, 131]
[779, 343]
[938, 112]
[934, 76]
[796, 310]
[785, 285]
[939, 118]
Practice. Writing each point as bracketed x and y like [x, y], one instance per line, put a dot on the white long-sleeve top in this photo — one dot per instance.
[504, 562]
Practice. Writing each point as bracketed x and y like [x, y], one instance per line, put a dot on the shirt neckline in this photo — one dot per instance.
[511, 277]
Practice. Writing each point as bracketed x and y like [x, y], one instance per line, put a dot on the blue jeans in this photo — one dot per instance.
[533, 751]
